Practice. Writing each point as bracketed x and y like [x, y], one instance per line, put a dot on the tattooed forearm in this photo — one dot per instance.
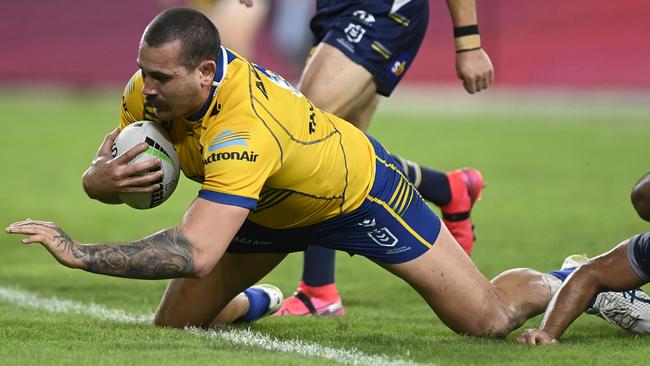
[166, 254]
[66, 243]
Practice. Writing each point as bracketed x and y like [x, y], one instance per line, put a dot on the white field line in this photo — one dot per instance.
[245, 337]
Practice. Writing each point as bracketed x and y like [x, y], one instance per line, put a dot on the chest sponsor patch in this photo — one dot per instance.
[229, 138]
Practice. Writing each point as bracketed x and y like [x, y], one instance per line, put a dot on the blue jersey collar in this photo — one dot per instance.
[220, 73]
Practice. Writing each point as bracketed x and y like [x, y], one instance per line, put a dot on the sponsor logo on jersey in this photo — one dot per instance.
[229, 138]
[249, 156]
[383, 237]
[354, 32]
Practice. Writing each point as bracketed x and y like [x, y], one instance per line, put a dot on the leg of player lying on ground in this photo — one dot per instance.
[624, 268]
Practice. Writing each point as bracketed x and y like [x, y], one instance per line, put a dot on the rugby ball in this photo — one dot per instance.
[160, 146]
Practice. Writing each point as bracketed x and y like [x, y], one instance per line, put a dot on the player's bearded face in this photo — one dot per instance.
[173, 90]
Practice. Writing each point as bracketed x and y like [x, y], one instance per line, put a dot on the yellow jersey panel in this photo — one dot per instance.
[260, 144]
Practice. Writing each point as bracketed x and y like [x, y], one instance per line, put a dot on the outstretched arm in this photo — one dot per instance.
[641, 197]
[608, 272]
[190, 250]
[473, 65]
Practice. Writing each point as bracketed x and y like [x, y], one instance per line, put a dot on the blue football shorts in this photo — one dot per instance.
[393, 225]
[376, 34]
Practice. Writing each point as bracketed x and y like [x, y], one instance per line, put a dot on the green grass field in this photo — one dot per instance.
[559, 174]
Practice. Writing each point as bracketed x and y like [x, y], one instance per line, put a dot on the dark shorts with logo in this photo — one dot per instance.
[374, 36]
[393, 225]
[638, 253]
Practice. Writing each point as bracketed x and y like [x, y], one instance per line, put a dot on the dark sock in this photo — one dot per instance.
[318, 267]
[433, 185]
[258, 304]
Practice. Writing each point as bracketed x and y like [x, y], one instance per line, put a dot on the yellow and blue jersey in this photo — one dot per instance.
[259, 143]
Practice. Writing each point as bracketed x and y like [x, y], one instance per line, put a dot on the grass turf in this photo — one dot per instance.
[558, 178]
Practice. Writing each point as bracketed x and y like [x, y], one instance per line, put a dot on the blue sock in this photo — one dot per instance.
[562, 274]
[432, 184]
[259, 303]
[318, 267]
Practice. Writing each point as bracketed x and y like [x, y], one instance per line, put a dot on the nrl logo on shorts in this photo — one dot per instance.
[383, 237]
[354, 32]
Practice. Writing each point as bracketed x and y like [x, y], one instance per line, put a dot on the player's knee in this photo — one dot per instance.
[641, 203]
[494, 324]
[641, 198]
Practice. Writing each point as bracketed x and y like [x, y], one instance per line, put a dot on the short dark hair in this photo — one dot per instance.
[198, 35]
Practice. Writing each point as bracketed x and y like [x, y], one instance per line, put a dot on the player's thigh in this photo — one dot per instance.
[197, 301]
[453, 287]
[338, 85]
[238, 25]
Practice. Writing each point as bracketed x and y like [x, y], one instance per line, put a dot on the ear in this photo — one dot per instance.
[206, 69]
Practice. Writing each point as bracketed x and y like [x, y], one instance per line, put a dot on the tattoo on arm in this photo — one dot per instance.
[63, 240]
[166, 254]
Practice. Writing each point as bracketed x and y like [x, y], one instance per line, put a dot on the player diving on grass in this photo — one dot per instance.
[316, 180]
[624, 268]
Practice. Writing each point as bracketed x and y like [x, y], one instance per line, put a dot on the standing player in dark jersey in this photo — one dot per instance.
[624, 268]
[363, 49]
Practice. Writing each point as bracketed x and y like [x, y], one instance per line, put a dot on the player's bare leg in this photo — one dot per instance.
[464, 299]
[238, 25]
[339, 86]
[201, 302]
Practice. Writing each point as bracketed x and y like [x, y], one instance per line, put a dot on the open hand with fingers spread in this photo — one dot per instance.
[58, 243]
[536, 337]
[109, 175]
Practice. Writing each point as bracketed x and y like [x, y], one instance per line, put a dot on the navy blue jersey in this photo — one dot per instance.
[638, 253]
[392, 225]
[381, 36]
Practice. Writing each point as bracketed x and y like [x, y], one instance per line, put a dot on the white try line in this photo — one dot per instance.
[246, 337]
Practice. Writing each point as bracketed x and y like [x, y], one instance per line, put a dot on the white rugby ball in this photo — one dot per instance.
[160, 146]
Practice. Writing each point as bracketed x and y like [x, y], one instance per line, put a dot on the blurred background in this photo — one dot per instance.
[559, 44]
[561, 137]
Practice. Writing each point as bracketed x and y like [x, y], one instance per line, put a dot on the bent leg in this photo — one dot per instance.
[464, 299]
[198, 302]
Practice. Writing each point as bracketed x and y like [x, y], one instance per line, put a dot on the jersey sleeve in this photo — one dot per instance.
[239, 156]
[132, 101]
